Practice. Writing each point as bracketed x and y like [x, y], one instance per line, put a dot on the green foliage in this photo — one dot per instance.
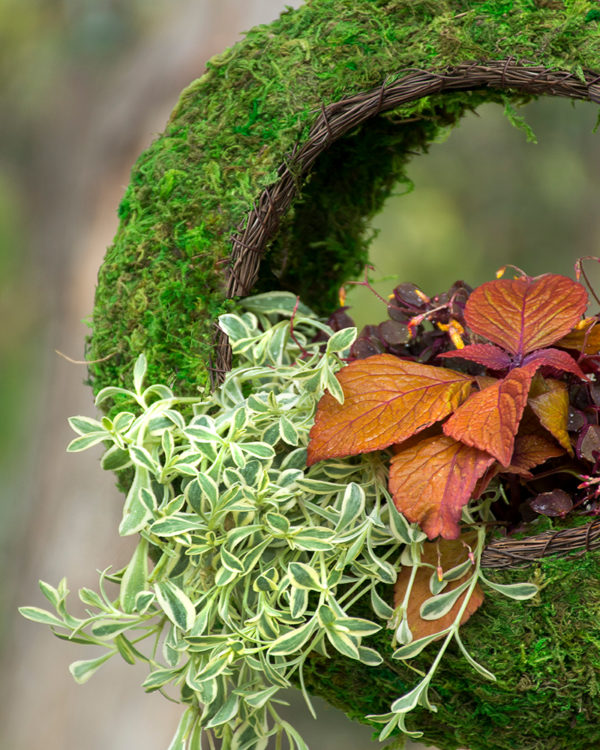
[259, 562]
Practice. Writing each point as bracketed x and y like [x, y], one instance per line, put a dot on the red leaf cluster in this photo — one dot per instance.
[512, 324]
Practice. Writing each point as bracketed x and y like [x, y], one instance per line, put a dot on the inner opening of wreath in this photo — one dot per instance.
[484, 196]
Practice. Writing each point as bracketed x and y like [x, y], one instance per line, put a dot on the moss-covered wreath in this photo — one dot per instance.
[282, 151]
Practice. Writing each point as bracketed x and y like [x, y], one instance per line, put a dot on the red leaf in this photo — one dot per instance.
[448, 554]
[551, 406]
[522, 315]
[432, 479]
[387, 400]
[484, 354]
[489, 420]
[585, 337]
[554, 503]
[532, 449]
[557, 359]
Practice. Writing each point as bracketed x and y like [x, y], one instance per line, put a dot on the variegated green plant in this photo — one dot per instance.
[247, 560]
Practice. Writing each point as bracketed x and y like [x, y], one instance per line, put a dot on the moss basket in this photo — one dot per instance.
[266, 176]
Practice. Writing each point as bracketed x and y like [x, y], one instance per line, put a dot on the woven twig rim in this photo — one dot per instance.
[334, 121]
[512, 553]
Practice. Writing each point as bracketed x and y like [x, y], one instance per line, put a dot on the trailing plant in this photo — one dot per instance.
[253, 553]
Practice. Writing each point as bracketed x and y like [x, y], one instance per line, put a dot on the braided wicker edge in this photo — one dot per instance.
[334, 121]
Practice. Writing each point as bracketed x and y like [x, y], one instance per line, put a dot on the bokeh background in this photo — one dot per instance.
[85, 85]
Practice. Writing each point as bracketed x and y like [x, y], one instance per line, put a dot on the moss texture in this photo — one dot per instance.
[160, 287]
[545, 654]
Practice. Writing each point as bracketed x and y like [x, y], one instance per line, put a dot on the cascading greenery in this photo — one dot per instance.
[258, 562]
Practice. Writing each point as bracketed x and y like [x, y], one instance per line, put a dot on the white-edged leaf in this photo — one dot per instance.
[85, 425]
[141, 457]
[35, 614]
[157, 391]
[475, 664]
[438, 606]
[343, 643]
[51, 594]
[292, 641]
[135, 577]
[369, 656]
[314, 539]
[415, 647]
[230, 561]
[318, 487]
[436, 586]
[259, 450]
[92, 599]
[123, 421]
[410, 700]
[224, 576]
[135, 512]
[332, 384]
[109, 628]
[353, 506]
[160, 677]
[234, 327]
[287, 431]
[186, 722]
[110, 392]
[260, 697]
[380, 607]
[175, 525]
[115, 458]
[518, 591]
[399, 526]
[298, 602]
[175, 604]
[201, 434]
[275, 303]
[148, 498]
[87, 441]
[403, 632]
[139, 372]
[83, 670]
[143, 601]
[341, 340]
[357, 626]
[303, 576]
[226, 713]
[457, 571]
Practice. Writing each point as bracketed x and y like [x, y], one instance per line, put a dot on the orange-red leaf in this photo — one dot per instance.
[449, 554]
[557, 359]
[489, 420]
[386, 400]
[487, 355]
[585, 337]
[552, 409]
[532, 449]
[432, 479]
[524, 314]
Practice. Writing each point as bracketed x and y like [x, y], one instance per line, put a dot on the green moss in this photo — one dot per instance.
[545, 654]
[160, 287]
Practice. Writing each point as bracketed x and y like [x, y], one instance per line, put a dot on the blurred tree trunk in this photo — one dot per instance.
[73, 159]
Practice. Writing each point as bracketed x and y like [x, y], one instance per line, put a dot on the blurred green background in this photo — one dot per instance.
[84, 87]
[484, 197]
